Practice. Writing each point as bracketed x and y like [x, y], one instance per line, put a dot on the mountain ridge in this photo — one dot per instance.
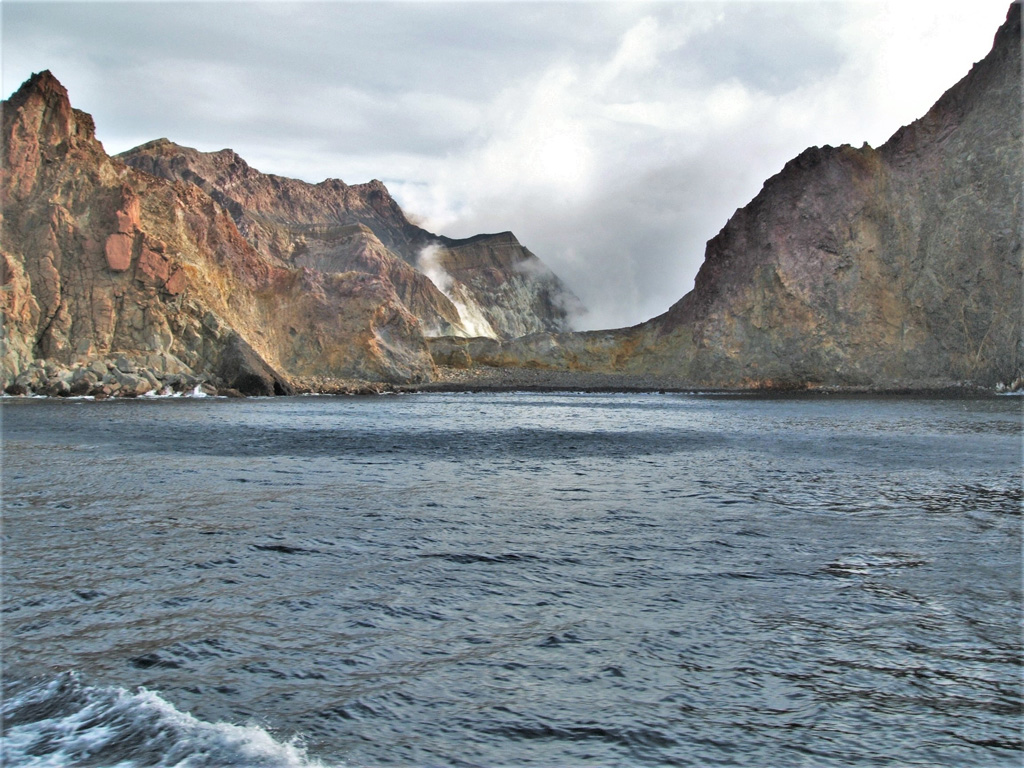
[887, 269]
[103, 263]
[290, 221]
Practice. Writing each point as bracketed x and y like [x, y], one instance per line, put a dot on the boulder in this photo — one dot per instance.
[118, 250]
[242, 369]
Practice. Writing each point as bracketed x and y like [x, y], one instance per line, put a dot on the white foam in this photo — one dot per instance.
[82, 723]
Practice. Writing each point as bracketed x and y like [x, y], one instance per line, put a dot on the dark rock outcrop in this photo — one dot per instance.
[241, 369]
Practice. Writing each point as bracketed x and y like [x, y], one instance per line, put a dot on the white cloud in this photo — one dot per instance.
[637, 52]
[613, 138]
[643, 184]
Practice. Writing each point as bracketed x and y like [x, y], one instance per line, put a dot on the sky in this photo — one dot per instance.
[613, 138]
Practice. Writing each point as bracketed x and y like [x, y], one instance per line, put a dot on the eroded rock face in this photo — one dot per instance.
[899, 265]
[101, 260]
[329, 227]
[487, 285]
[501, 286]
[896, 267]
[889, 268]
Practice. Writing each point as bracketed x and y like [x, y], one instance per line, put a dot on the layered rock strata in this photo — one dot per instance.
[897, 267]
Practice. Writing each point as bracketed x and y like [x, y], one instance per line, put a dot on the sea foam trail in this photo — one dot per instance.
[67, 723]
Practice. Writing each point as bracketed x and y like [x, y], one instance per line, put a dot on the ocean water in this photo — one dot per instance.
[512, 579]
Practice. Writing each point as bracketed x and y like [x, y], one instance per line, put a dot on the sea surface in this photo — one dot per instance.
[512, 579]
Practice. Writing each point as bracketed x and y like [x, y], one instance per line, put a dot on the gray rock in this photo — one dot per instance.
[124, 365]
[57, 387]
[241, 368]
[31, 379]
[80, 373]
[81, 386]
[131, 384]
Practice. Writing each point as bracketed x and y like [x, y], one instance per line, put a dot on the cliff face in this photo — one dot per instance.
[501, 288]
[487, 285]
[328, 227]
[103, 261]
[895, 267]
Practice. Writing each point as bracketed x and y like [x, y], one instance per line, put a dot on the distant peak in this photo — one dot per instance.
[1009, 32]
[53, 117]
[335, 184]
[154, 144]
[374, 185]
[44, 79]
[495, 238]
[42, 83]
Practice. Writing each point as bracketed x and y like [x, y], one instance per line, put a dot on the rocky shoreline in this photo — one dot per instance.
[164, 376]
[483, 379]
[116, 377]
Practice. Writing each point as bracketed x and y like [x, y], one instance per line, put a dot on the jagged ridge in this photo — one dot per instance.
[488, 284]
[101, 261]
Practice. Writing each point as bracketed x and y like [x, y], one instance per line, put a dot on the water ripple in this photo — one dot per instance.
[516, 580]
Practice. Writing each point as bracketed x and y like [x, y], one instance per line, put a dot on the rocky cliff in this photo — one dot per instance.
[886, 268]
[119, 282]
[501, 288]
[488, 285]
[896, 267]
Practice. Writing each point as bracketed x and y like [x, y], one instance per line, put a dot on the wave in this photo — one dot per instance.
[64, 722]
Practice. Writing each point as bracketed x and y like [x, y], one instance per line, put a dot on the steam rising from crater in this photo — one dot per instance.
[472, 316]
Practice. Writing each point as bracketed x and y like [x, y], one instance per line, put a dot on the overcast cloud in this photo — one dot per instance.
[613, 138]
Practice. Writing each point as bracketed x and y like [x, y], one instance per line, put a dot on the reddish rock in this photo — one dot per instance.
[176, 282]
[119, 251]
[125, 223]
[100, 259]
[154, 266]
[485, 284]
